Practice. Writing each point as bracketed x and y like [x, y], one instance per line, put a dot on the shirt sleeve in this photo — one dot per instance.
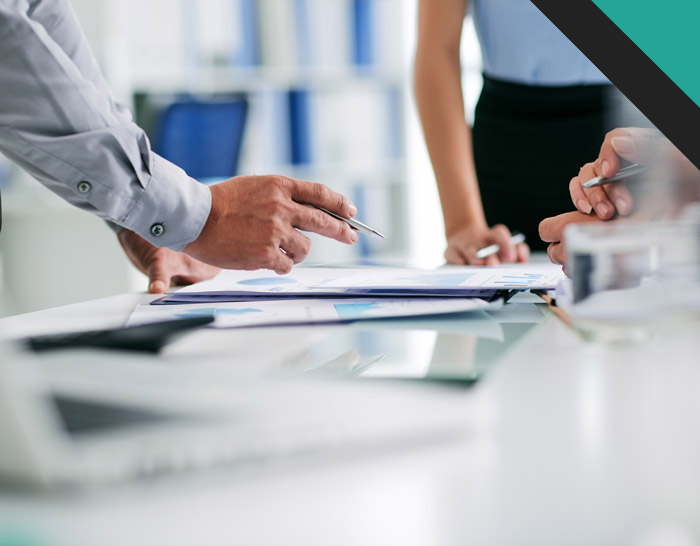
[64, 129]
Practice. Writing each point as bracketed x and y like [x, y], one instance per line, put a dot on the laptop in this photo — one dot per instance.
[89, 417]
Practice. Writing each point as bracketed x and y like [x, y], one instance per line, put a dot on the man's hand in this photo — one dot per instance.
[162, 265]
[463, 244]
[254, 222]
[552, 232]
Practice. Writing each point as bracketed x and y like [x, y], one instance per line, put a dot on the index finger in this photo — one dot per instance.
[552, 229]
[311, 219]
[311, 193]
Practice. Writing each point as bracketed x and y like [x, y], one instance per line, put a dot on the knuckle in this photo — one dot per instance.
[501, 231]
[268, 226]
[346, 231]
[279, 188]
[320, 192]
[305, 246]
[278, 227]
[264, 256]
[322, 220]
[317, 190]
[278, 203]
[278, 182]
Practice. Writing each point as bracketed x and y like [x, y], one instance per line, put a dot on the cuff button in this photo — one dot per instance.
[157, 230]
[84, 187]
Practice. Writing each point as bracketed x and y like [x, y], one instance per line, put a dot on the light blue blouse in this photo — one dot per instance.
[519, 44]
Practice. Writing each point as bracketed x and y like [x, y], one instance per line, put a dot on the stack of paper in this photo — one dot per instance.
[326, 295]
[483, 282]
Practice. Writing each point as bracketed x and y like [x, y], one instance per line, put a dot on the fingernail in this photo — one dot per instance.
[603, 210]
[623, 207]
[606, 167]
[156, 286]
[353, 209]
[623, 145]
[584, 206]
[354, 236]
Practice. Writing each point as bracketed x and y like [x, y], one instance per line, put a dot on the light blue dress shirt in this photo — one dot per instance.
[59, 122]
[519, 44]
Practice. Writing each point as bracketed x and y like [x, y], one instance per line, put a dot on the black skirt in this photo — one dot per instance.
[529, 141]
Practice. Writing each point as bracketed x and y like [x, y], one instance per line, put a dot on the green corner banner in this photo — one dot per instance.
[648, 50]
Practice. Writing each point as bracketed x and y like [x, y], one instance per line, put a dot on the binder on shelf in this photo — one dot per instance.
[363, 32]
[203, 137]
[299, 125]
[376, 25]
[302, 19]
[246, 52]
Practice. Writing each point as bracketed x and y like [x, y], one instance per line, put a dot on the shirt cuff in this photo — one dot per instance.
[173, 208]
[116, 228]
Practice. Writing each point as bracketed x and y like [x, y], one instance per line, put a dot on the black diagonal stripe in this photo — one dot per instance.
[630, 70]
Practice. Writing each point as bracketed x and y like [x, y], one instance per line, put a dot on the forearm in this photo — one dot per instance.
[448, 137]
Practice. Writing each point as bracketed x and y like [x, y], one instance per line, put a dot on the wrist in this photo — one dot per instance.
[470, 224]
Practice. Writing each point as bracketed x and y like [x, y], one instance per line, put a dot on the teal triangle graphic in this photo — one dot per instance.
[667, 32]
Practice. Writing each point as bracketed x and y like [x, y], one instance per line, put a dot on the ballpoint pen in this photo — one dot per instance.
[620, 175]
[490, 250]
[354, 224]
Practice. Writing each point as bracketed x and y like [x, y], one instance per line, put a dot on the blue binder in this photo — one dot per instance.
[203, 137]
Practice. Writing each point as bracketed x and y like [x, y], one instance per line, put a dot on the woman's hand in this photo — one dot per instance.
[463, 244]
[643, 146]
[552, 232]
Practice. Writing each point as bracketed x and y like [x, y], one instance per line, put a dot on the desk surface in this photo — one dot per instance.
[573, 443]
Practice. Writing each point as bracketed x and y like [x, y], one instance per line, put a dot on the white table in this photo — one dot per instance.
[572, 443]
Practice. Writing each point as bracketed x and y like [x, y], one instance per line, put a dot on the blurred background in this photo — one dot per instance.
[313, 89]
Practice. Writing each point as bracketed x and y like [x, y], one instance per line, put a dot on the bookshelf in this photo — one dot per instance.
[327, 82]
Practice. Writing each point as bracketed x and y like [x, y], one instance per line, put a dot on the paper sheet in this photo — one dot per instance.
[311, 311]
[375, 281]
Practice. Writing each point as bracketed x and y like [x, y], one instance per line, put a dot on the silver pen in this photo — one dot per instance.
[631, 170]
[354, 224]
[490, 250]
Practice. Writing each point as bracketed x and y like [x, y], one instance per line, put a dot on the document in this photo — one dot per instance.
[308, 282]
[309, 311]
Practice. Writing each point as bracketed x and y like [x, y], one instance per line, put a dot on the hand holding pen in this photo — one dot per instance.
[484, 245]
[594, 190]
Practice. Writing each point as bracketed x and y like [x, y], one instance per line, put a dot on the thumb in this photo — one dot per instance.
[158, 276]
[638, 145]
